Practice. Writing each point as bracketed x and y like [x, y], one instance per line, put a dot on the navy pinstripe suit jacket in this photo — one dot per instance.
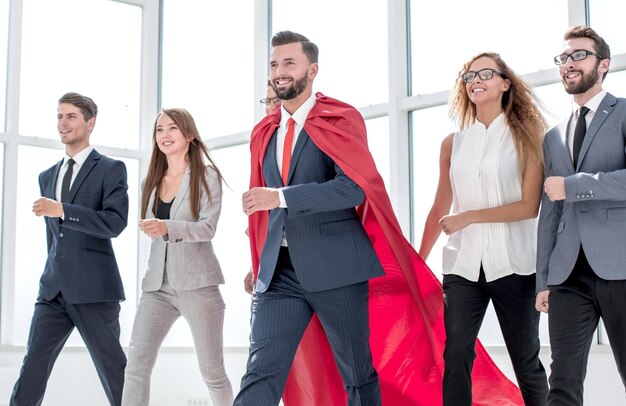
[328, 245]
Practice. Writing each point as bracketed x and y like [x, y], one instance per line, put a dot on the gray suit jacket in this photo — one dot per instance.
[328, 245]
[191, 262]
[594, 212]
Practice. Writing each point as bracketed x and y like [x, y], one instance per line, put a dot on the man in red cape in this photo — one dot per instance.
[405, 306]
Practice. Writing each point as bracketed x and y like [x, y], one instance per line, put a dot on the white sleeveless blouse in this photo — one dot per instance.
[484, 173]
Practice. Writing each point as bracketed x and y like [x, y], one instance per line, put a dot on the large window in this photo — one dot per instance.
[208, 63]
[352, 38]
[4, 30]
[445, 34]
[66, 45]
[606, 17]
[92, 47]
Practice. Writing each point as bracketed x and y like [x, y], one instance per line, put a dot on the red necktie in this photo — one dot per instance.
[287, 150]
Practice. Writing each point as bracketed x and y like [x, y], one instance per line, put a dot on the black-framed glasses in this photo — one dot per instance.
[269, 100]
[577, 55]
[483, 74]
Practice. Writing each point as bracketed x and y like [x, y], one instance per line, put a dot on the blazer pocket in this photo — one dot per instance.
[341, 226]
[616, 213]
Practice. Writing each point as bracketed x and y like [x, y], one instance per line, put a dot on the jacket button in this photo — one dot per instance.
[60, 235]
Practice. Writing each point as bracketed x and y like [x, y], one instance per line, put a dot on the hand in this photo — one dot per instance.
[47, 207]
[260, 198]
[153, 227]
[454, 222]
[541, 301]
[554, 186]
[248, 282]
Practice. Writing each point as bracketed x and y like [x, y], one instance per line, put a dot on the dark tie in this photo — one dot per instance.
[579, 133]
[67, 179]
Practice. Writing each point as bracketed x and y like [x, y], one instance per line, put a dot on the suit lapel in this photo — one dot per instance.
[271, 172]
[180, 194]
[604, 110]
[91, 161]
[50, 191]
[295, 156]
[566, 155]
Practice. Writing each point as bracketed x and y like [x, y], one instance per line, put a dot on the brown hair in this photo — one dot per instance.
[197, 168]
[520, 109]
[602, 48]
[87, 106]
[288, 37]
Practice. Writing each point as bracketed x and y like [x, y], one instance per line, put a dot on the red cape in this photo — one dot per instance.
[406, 305]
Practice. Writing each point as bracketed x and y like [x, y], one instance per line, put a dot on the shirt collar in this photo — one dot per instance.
[300, 115]
[593, 104]
[80, 157]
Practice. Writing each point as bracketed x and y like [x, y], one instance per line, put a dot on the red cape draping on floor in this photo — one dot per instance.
[406, 305]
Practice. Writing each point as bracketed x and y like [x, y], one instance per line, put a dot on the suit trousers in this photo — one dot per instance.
[280, 316]
[575, 308]
[466, 303]
[51, 326]
[203, 309]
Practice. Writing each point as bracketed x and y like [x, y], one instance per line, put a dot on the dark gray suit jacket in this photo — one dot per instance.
[594, 212]
[328, 245]
[81, 263]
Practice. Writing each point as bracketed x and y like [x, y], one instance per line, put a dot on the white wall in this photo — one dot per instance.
[176, 380]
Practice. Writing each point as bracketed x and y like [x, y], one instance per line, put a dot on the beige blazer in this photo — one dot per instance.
[191, 262]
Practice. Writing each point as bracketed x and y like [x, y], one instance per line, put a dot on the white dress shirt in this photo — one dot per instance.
[79, 160]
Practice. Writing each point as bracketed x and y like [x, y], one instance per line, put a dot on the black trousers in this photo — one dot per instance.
[466, 303]
[575, 308]
[52, 323]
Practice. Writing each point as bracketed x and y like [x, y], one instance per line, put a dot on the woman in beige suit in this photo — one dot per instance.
[180, 206]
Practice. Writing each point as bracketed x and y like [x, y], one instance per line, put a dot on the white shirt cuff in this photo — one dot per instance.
[281, 197]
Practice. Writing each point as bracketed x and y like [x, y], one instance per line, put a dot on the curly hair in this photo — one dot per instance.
[519, 104]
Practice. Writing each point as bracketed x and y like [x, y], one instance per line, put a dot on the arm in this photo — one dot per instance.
[203, 229]
[339, 193]
[442, 203]
[110, 219]
[525, 208]
[546, 239]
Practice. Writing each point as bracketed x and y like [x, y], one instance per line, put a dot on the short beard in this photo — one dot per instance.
[585, 84]
[294, 90]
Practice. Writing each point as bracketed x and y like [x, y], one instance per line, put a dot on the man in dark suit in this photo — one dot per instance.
[316, 257]
[85, 204]
[581, 253]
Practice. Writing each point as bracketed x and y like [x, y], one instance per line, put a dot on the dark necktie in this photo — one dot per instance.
[579, 133]
[67, 179]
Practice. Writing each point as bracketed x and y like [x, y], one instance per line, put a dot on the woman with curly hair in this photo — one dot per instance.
[491, 174]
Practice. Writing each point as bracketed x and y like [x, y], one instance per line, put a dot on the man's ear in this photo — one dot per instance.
[313, 71]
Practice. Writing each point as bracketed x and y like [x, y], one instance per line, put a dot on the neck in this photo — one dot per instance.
[294, 104]
[176, 165]
[72, 150]
[583, 98]
[486, 114]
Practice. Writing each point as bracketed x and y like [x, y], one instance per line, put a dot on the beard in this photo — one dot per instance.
[586, 82]
[293, 91]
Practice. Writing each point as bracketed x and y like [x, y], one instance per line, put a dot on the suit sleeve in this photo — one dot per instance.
[339, 193]
[203, 229]
[111, 218]
[43, 181]
[546, 229]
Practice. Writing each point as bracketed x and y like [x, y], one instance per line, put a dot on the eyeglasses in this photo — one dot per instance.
[269, 100]
[577, 55]
[483, 74]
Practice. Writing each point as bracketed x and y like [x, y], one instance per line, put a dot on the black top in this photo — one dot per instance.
[163, 210]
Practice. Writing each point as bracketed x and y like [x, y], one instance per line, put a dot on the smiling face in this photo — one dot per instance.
[482, 91]
[584, 76]
[271, 95]
[169, 138]
[291, 74]
[73, 128]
